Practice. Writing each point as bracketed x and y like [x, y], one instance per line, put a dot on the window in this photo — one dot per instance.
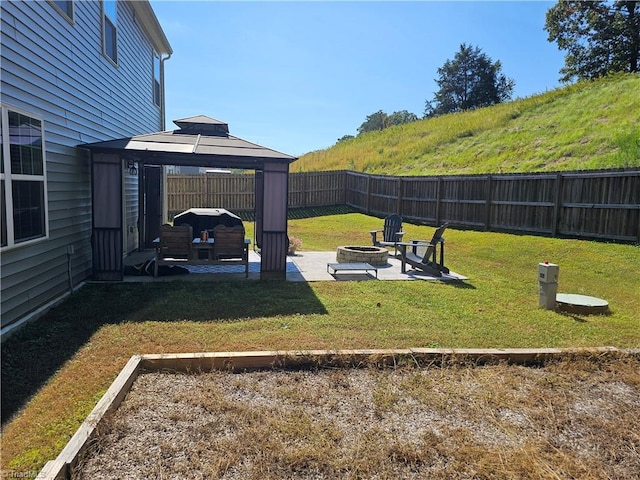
[109, 30]
[22, 178]
[157, 97]
[65, 6]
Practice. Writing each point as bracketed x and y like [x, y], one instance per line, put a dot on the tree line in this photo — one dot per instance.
[600, 37]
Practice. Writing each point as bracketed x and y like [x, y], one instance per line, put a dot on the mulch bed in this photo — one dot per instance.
[576, 418]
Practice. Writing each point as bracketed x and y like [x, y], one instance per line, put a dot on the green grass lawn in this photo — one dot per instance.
[55, 369]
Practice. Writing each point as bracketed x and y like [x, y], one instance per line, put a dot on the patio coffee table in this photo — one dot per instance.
[350, 267]
[205, 246]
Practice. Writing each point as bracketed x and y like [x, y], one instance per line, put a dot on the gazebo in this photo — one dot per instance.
[199, 141]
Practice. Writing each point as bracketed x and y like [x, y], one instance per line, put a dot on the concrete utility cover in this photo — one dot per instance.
[572, 302]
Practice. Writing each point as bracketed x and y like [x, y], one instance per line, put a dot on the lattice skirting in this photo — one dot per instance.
[254, 267]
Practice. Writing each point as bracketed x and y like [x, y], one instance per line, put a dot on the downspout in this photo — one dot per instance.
[162, 106]
[163, 181]
[70, 252]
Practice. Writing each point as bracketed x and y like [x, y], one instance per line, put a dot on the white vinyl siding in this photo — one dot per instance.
[55, 70]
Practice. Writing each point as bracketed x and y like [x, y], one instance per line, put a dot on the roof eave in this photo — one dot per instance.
[186, 159]
[147, 18]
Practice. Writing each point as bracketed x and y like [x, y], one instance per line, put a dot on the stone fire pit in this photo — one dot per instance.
[376, 256]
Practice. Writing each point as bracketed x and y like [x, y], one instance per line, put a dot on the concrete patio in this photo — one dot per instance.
[301, 267]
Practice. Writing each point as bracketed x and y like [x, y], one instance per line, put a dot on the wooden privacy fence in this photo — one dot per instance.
[235, 192]
[230, 191]
[587, 204]
[601, 204]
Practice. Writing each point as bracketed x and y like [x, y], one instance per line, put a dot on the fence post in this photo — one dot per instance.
[400, 195]
[556, 207]
[487, 224]
[368, 193]
[345, 176]
[305, 189]
[439, 200]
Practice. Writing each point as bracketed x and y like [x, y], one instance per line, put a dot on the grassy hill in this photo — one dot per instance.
[589, 125]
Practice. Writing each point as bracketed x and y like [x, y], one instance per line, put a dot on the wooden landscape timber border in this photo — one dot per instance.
[598, 204]
[61, 467]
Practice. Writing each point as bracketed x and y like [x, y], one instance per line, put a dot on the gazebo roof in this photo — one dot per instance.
[199, 141]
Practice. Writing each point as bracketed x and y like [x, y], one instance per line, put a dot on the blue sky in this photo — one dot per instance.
[296, 76]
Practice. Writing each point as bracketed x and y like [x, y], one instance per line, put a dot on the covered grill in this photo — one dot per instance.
[206, 219]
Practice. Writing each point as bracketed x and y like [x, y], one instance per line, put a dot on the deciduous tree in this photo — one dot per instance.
[599, 37]
[401, 117]
[344, 138]
[373, 122]
[380, 120]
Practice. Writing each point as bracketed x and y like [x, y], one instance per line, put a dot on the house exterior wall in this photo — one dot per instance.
[54, 68]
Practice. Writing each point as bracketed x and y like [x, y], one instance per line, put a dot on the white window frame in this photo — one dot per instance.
[8, 177]
[114, 22]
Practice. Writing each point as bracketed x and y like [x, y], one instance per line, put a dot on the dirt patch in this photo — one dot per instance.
[574, 418]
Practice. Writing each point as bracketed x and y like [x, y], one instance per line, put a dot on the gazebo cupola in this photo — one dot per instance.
[202, 125]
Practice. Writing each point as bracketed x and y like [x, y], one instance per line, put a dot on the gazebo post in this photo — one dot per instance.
[258, 207]
[273, 251]
[106, 236]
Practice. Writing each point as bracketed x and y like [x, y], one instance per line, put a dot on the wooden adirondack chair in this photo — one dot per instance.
[423, 256]
[391, 233]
